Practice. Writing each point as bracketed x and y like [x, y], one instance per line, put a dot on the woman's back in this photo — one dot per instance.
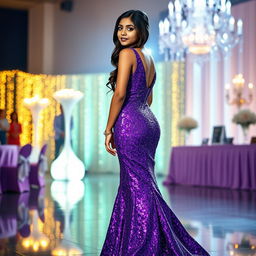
[139, 88]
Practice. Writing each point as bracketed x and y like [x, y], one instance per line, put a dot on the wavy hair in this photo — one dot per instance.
[140, 21]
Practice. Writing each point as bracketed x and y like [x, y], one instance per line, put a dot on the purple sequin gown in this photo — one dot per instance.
[142, 224]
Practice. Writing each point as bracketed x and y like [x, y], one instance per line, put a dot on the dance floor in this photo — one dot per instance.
[73, 217]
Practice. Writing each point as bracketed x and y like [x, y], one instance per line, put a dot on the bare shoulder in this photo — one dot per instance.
[126, 53]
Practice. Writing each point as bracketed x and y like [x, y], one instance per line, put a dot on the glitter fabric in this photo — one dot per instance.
[142, 224]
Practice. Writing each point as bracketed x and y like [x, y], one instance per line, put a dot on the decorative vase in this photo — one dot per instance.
[187, 136]
[35, 105]
[67, 166]
[245, 129]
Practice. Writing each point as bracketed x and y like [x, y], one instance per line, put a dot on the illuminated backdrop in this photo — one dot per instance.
[90, 115]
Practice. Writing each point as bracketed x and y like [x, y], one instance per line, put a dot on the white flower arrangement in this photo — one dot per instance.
[187, 123]
[244, 117]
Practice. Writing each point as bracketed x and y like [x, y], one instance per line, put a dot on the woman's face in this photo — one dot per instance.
[14, 117]
[2, 114]
[126, 32]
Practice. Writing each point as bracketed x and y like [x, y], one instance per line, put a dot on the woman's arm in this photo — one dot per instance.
[125, 63]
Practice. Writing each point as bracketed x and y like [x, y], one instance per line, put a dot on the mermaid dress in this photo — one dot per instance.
[142, 224]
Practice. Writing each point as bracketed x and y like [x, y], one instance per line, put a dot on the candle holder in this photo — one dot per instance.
[238, 91]
[67, 166]
[35, 105]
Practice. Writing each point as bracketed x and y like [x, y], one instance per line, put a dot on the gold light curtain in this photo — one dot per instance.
[15, 86]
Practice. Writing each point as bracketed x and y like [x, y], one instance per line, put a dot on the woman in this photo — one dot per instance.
[142, 224]
[15, 130]
[4, 126]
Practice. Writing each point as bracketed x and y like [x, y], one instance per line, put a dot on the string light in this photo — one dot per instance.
[10, 95]
[177, 101]
[2, 89]
[22, 85]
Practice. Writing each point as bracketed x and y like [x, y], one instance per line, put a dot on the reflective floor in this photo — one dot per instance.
[72, 218]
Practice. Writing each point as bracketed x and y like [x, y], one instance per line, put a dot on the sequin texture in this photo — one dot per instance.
[142, 224]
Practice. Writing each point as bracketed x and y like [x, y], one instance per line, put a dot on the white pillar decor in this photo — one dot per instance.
[35, 105]
[67, 166]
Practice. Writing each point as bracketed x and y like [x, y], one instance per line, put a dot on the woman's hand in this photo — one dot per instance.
[110, 144]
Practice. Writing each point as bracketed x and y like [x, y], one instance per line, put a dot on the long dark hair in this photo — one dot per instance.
[12, 114]
[140, 20]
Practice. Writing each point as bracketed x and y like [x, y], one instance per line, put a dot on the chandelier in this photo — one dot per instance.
[238, 91]
[198, 26]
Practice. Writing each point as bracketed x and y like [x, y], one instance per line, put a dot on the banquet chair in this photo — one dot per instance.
[253, 140]
[16, 178]
[37, 170]
[228, 140]
[205, 141]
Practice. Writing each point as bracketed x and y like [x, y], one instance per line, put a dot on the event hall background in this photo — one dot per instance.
[46, 46]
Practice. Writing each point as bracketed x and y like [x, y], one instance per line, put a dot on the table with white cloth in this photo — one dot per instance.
[228, 166]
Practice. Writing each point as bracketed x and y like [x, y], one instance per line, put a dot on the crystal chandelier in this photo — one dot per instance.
[238, 91]
[198, 26]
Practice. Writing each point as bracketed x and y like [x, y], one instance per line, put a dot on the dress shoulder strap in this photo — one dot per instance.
[136, 54]
[138, 59]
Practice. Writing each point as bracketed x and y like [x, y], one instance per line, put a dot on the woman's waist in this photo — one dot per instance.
[134, 103]
[136, 113]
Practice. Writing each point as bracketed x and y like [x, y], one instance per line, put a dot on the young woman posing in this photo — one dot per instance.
[141, 224]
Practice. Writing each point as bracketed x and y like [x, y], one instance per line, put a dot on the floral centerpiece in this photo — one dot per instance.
[244, 118]
[187, 124]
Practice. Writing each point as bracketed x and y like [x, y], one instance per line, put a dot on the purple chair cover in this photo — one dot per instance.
[16, 178]
[230, 166]
[37, 170]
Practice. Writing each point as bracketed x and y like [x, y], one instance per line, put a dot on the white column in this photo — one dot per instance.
[214, 73]
[227, 108]
[197, 102]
